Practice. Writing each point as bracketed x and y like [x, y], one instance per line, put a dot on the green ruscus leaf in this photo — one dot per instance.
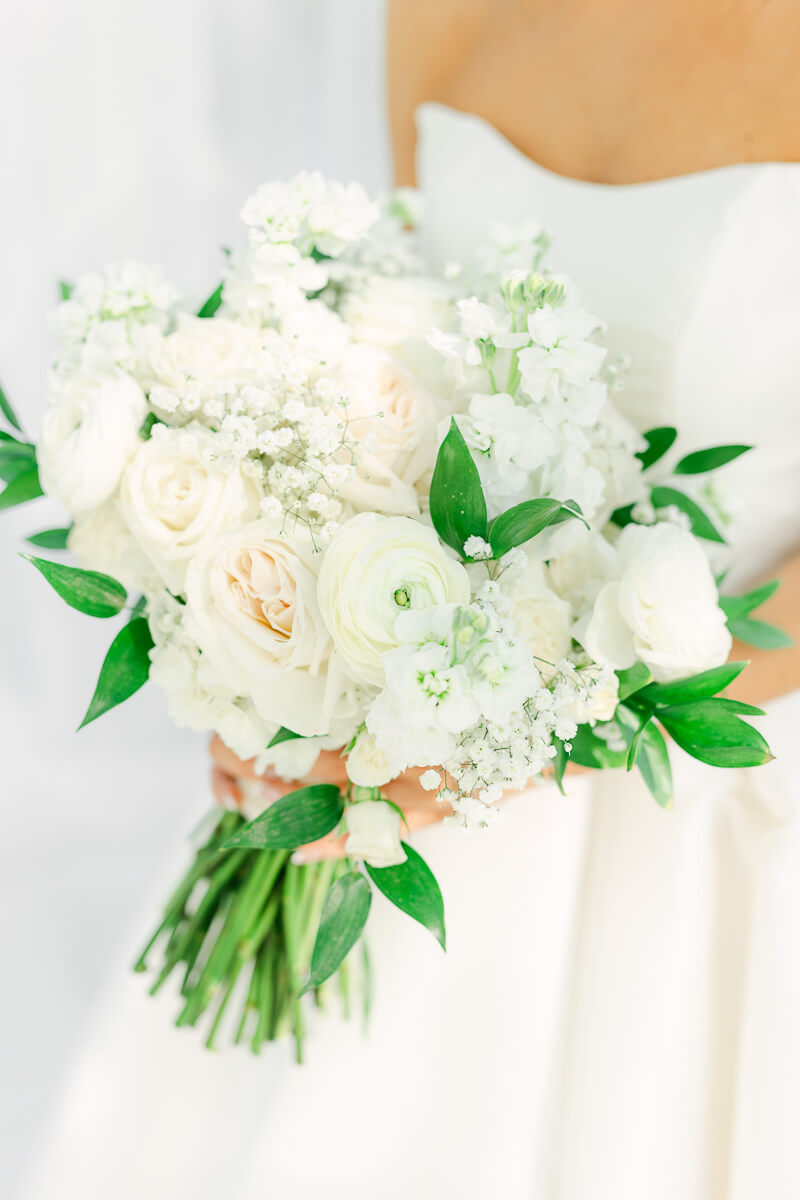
[522, 522]
[701, 525]
[283, 735]
[708, 460]
[344, 915]
[648, 750]
[8, 411]
[695, 687]
[658, 443]
[591, 750]
[458, 506]
[760, 634]
[90, 592]
[51, 539]
[633, 679]
[713, 732]
[125, 669]
[413, 888]
[212, 303]
[23, 487]
[742, 606]
[301, 816]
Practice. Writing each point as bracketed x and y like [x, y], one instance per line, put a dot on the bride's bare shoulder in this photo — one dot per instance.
[427, 45]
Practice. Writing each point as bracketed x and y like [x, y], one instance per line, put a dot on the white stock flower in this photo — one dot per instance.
[541, 619]
[375, 569]
[176, 498]
[373, 829]
[664, 609]
[367, 766]
[392, 421]
[508, 442]
[251, 606]
[88, 437]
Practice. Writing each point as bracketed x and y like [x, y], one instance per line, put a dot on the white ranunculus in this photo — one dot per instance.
[373, 829]
[392, 421]
[388, 311]
[202, 353]
[251, 606]
[176, 498]
[89, 436]
[664, 608]
[541, 619]
[374, 569]
[101, 541]
[367, 766]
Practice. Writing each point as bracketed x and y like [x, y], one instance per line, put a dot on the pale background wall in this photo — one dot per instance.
[126, 130]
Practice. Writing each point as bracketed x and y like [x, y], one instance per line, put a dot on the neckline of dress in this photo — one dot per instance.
[670, 181]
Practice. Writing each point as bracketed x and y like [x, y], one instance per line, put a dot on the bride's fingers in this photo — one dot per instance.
[329, 767]
[226, 791]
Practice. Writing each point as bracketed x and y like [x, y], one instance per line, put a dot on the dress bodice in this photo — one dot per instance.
[697, 279]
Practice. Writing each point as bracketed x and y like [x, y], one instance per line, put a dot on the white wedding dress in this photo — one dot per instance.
[618, 1013]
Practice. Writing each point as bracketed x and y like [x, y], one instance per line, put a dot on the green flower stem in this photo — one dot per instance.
[232, 980]
[209, 903]
[247, 902]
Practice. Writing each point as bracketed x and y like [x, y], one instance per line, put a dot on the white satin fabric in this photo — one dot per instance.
[618, 1013]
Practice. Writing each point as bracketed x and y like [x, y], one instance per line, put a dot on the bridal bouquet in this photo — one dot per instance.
[352, 505]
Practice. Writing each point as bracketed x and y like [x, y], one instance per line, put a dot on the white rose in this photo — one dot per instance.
[202, 352]
[177, 498]
[393, 423]
[89, 436]
[664, 609]
[101, 541]
[251, 606]
[374, 569]
[541, 619]
[373, 828]
[367, 765]
[388, 311]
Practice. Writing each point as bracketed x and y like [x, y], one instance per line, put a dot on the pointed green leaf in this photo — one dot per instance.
[701, 524]
[8, 411]
[457, 504]
[413, 888]
[124, 670]
[713, 732]
[51, 539]
[651, 755]
[633, 680]
[65, 289]
[23, 487]
[559, 764]
[301, 816]
[623, 516]
[522, 522]
[636, 740]
[709, 460]
[212, 303]
[90, 592]
[742, 606]
[695, 687]
[590, 750]
[658, 443]
[283, 735]
[344, 915]
[760, 634]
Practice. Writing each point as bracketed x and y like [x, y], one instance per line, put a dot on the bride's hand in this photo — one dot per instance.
[420, 808]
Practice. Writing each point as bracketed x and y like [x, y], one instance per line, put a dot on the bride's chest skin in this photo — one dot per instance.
[614, 92]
